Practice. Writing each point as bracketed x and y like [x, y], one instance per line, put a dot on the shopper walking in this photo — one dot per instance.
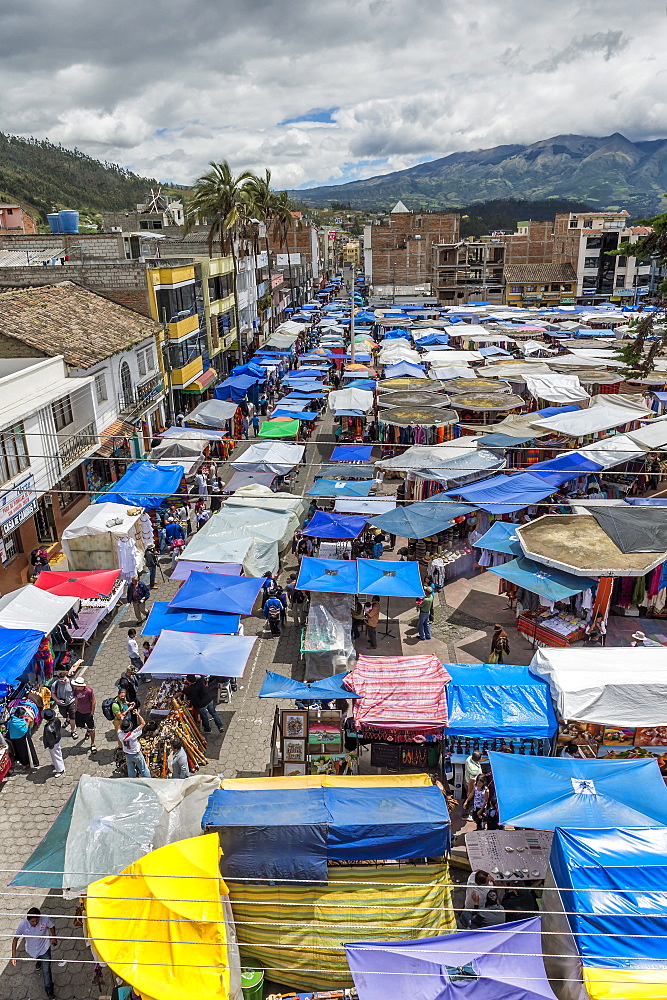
[18, 730]
[372, 616]
[179, 762]
[151, 566]
[255, 423]
[63, 695]
[39, 934]
[84, 712]
[128, 737]
[199, 696]
[137, 595]
[425, 608]
[51, 734]
[500, 645]
[133, 649]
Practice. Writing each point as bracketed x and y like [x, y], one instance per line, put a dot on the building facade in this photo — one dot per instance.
[400, 247]
[540, 284]
[14, 219]
[468, 271]
[48, 430]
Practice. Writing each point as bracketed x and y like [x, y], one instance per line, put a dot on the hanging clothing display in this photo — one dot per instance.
[128, 558]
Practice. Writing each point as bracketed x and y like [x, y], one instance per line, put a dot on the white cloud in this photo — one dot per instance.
[165, 88]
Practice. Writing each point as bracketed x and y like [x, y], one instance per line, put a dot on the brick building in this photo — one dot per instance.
[401, 246]
[14, 219]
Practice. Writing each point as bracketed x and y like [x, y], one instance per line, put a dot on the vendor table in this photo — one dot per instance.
[510, 855]
[91, 614]
[549, 629]
[457, 562]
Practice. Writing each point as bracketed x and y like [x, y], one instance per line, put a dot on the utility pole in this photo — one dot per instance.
[352, 351]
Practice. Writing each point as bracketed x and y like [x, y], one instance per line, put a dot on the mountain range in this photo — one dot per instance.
[610, 172]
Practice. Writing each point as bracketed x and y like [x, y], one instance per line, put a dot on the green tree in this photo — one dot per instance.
[652, 246]
[262, 201]
[217, 201]
[286, 221]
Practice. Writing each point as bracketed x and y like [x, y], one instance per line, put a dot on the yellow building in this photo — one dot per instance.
[219, 315]
[352, 253]
[540, 284]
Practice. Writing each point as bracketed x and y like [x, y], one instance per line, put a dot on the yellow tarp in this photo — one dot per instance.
[328, 781]
[625, 984]
[297, 933]
[166, 936]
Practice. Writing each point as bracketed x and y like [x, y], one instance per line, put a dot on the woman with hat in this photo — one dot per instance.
[640, 638]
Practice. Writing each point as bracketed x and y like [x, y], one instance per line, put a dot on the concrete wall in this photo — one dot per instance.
[123, 281]
[95, 246]
[401, 250]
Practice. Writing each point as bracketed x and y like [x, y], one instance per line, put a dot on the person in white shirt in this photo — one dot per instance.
[129, 740]
[133, 649]
[478, 885]
[38, 932]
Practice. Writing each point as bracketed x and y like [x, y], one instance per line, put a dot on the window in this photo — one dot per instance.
[620, 281]
[593, 242]
[141, 361]
[590, 282]
[530, 288]
[183, 353]
[13, 452]
[516, 289]
[176, 303]
[71, 488]
[591, 261]
[220, 286]
[101, 388]
[62, 412]
[11, 544]
[574, 223]
[145, 360]
[622, 261]
[588, 223]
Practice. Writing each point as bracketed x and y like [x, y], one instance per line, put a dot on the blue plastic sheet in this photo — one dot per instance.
[351, 453]
[545, 792]
[145, 485]
[294, 414]
[237, 387]
[334, 526]
[176, 620]
[278, 686]
[418, 520]
[335, 488]
[367, 384]
[432, 338]
[503, 494]
[234, 595]
[553, 411]
[250, 368]
[501, 537]
[612, 882]
[505, 440]
[404, 368]
[17, 650]
[328, 576]
[538, 579]
[340, 471]
[389, 579]
[561, 469]
[494, 701]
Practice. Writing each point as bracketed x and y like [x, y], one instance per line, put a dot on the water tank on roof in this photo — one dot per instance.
[53, 220]
[69, 221]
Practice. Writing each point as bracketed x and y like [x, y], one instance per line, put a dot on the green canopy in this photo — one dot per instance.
[279, 429]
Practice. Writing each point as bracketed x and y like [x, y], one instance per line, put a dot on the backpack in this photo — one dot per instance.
[274, 612]
[298, 597]
[106, 708]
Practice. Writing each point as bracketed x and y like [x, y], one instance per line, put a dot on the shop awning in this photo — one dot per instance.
[334, 526]
[610, 411]
[185, 653]
[552, 584]
[401, 692]
[505, 702]
[401, 368]
[242, 479]
[204, 382]
[418, 520]
[547, 792]
[503, 494]
[145, 484]
[269, 456]
[236, 387]
[501, 537]
[17, 650]
[279, 686]
[502, 962]
[176, 620]
[186, 566]
[328, 576]
[84, 584]
[347, 472]
[351, 453]
[216, 592]
[212, 413]
[418, 416]
[336, 488]
[282, 427]
[350, 399]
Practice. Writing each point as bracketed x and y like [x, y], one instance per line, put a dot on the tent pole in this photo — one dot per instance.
[386, 623]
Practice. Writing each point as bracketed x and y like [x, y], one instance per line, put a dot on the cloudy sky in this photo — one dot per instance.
[324, 92]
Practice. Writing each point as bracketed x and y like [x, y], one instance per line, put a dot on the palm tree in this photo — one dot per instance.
[262, 201]
[286, 221]
[217, 200]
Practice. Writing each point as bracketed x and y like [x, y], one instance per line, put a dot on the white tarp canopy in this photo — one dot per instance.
[360, 505]
[217, 543]
[212, 413]
[350, 399]
[616, 687]
[452, 371]
[261, 497]
[604, 413]
[398, 350]
[91, 541]
[581, 361]
[453, 357]
[518, 368]
[270, 456]
[612, 451]
[561, 389]
[96, 520]
[653, 435]
[29, 607]
[425, 456]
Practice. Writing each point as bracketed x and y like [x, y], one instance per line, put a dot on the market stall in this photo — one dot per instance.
[108, 536]
[417, 425]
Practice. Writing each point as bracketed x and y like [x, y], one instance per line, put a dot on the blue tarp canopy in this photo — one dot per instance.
[538, 579]
[278, 686]
[351, 453]
[337, 488]
[234, 595]
[205, 622]
[501, 962]
[505, 440]
[493, 351]
[493, 701]
[17, 649]
[454, 508]
[561, 469]
[347, 471]
[545, 792]
[553, 411]
[301, 395]
[432, 338]
[250, 368]
[294, 414]
[185, 653]
[367, 384]
[237, 387]
[418, 520]
[328, 576]
[144, 485]
[45, 866]
[404, 368]
[502, 494]
[501, 537]
[272, 833]
[613, 884]
[334, 526]
[397, 334]
[389, 579]
[300, 373]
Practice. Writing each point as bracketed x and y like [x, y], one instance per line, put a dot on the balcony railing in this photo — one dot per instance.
[78, 445]
[139, 396]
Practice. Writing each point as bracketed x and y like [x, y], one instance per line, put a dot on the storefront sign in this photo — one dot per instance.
[17, 505]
